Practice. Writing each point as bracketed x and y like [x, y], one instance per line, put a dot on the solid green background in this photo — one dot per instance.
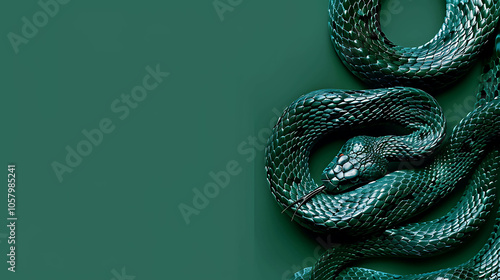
[119, 208]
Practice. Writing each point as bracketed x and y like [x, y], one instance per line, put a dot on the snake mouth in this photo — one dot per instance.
[301, 201]
[335, 186]
[330, 181]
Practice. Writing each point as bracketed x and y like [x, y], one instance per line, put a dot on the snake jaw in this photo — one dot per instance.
[301, 201]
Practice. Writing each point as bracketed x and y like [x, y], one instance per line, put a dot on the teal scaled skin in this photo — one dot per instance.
[367, 53]
[357, 196]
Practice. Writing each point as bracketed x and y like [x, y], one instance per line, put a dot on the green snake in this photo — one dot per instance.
[358, 197]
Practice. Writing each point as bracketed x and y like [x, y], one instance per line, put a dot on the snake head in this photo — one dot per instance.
[358, 162]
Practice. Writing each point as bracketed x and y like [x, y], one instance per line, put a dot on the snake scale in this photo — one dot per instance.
[358, 196]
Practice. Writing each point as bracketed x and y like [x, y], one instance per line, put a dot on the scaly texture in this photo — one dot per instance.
[368, 54]
[380, 206]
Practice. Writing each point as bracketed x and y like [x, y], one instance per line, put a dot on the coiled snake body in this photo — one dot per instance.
[357, 196]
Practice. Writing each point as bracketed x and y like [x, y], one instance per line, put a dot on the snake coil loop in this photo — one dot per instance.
[357, 196]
